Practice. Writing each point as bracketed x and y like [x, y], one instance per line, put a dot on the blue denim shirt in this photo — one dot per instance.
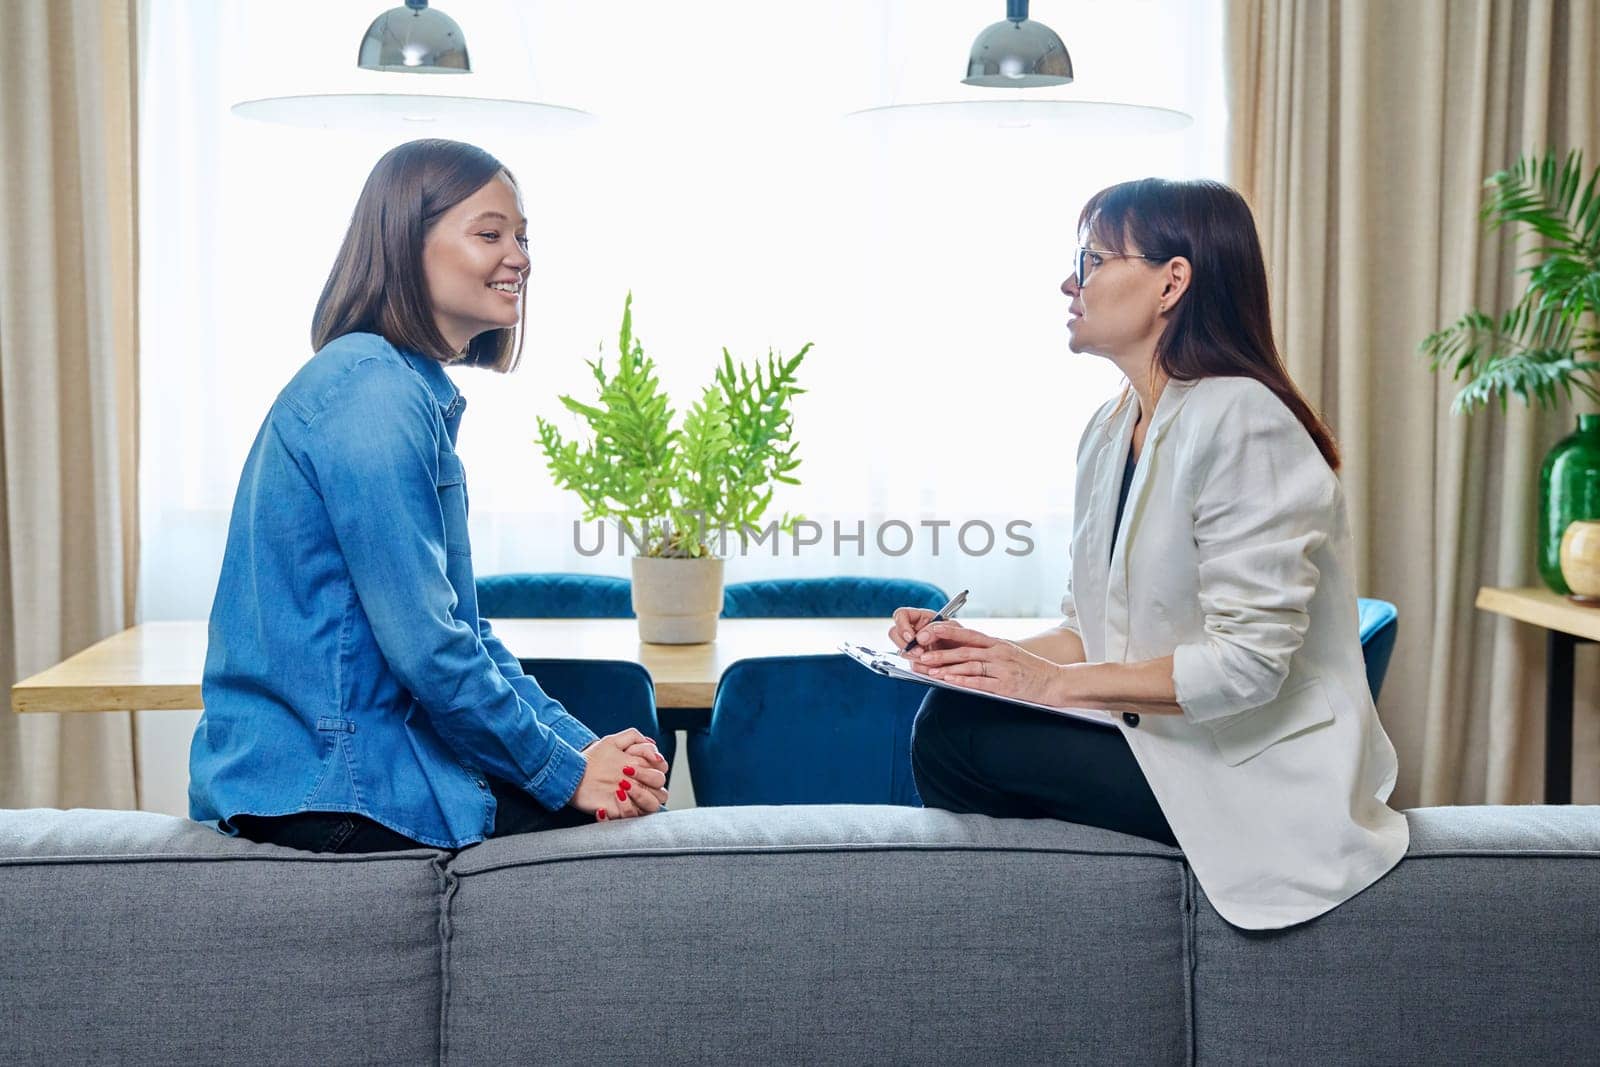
[347, 668]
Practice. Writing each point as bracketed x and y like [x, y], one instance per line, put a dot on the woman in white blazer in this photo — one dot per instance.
[1211, 604]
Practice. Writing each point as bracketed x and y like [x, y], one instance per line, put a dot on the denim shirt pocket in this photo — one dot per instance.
[452, 487]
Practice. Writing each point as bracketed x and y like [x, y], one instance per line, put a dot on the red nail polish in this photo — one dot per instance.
[601, 814]
[622, 794]
[629, 771]
[626, 784]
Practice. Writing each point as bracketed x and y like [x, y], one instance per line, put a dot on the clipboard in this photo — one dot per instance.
[890, 665]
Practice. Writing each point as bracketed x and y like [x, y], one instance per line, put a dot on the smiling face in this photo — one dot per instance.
[475, 263]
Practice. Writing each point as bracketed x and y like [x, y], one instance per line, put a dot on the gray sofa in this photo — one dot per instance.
[784, 935]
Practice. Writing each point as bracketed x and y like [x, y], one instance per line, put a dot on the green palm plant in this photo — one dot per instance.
[1543, 348]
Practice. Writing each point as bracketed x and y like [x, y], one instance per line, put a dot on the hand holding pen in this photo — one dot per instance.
[909, 622]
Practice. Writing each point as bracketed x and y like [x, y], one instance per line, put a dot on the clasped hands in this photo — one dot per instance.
[626, 777]
[952, 653]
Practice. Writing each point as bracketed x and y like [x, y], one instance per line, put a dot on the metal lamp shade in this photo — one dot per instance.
[1018, 54]
[414, 40]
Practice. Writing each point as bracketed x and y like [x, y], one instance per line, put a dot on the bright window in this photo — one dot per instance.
[722, 186]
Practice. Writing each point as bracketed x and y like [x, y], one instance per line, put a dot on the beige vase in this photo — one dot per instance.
[1580, 560]
[677, 600]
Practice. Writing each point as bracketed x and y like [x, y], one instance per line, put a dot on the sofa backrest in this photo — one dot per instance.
[1478, 948]
[130, 937]
[784, 934]
[840, 934]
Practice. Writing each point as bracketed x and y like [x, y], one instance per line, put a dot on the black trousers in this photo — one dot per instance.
[336, 831]
[974, 755]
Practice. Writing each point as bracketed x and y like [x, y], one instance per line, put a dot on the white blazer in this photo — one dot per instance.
[1235, 558]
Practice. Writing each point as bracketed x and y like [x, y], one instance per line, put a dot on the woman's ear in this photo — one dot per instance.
[1178, 274]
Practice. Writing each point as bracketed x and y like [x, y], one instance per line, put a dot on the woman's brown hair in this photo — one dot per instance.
[377, 283]
[1222, 326]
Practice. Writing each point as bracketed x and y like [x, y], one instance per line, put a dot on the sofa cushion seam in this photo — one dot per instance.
[1190, 962]
[756, 850]
[1508, 853]
[334, 858]
[411, 857]
[446, 930]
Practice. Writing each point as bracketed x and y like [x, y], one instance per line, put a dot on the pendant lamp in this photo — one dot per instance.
[1022, 53]
[414, 39]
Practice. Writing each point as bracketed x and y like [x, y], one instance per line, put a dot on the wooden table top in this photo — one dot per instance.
[157, 665]
[1542, 607]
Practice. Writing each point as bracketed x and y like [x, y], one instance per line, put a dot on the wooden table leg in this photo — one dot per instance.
[1558, 678]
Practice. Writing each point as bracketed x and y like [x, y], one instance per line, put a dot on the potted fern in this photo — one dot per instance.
[1546, 347]
[673, 490]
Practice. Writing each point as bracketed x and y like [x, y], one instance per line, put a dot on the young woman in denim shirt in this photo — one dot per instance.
[354, 699]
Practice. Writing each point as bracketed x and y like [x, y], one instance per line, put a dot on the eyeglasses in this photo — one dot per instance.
[1091, 258]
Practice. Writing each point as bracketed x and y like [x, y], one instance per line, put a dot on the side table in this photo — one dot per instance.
[1567, 625]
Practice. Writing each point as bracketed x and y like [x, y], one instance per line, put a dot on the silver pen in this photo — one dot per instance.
[957, 602]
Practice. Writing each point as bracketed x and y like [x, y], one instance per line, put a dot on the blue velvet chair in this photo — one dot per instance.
[806, 730]
[606, 695]
[1380, 624]
[844, 733]
[554, 596]
[827, 598]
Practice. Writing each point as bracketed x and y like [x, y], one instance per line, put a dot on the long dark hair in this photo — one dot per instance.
[1222, 326]
[377, 284]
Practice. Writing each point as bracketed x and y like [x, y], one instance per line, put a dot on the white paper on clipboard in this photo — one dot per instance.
[890, 665]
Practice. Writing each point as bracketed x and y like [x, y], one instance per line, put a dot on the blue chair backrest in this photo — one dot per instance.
[1380, 624]
[846, 731]
[554, 596]
[827, 598]
[606, 695]
[806, 730]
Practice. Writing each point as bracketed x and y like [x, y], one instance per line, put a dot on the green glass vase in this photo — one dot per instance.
[1569, 490]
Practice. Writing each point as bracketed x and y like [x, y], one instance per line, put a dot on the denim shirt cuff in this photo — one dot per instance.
[555, 785]
[571, 731]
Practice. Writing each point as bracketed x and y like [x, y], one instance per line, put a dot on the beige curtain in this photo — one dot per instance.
[68, 333]
[1362, 132]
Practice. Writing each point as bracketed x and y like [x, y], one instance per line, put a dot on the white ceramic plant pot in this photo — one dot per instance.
[677, 600]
